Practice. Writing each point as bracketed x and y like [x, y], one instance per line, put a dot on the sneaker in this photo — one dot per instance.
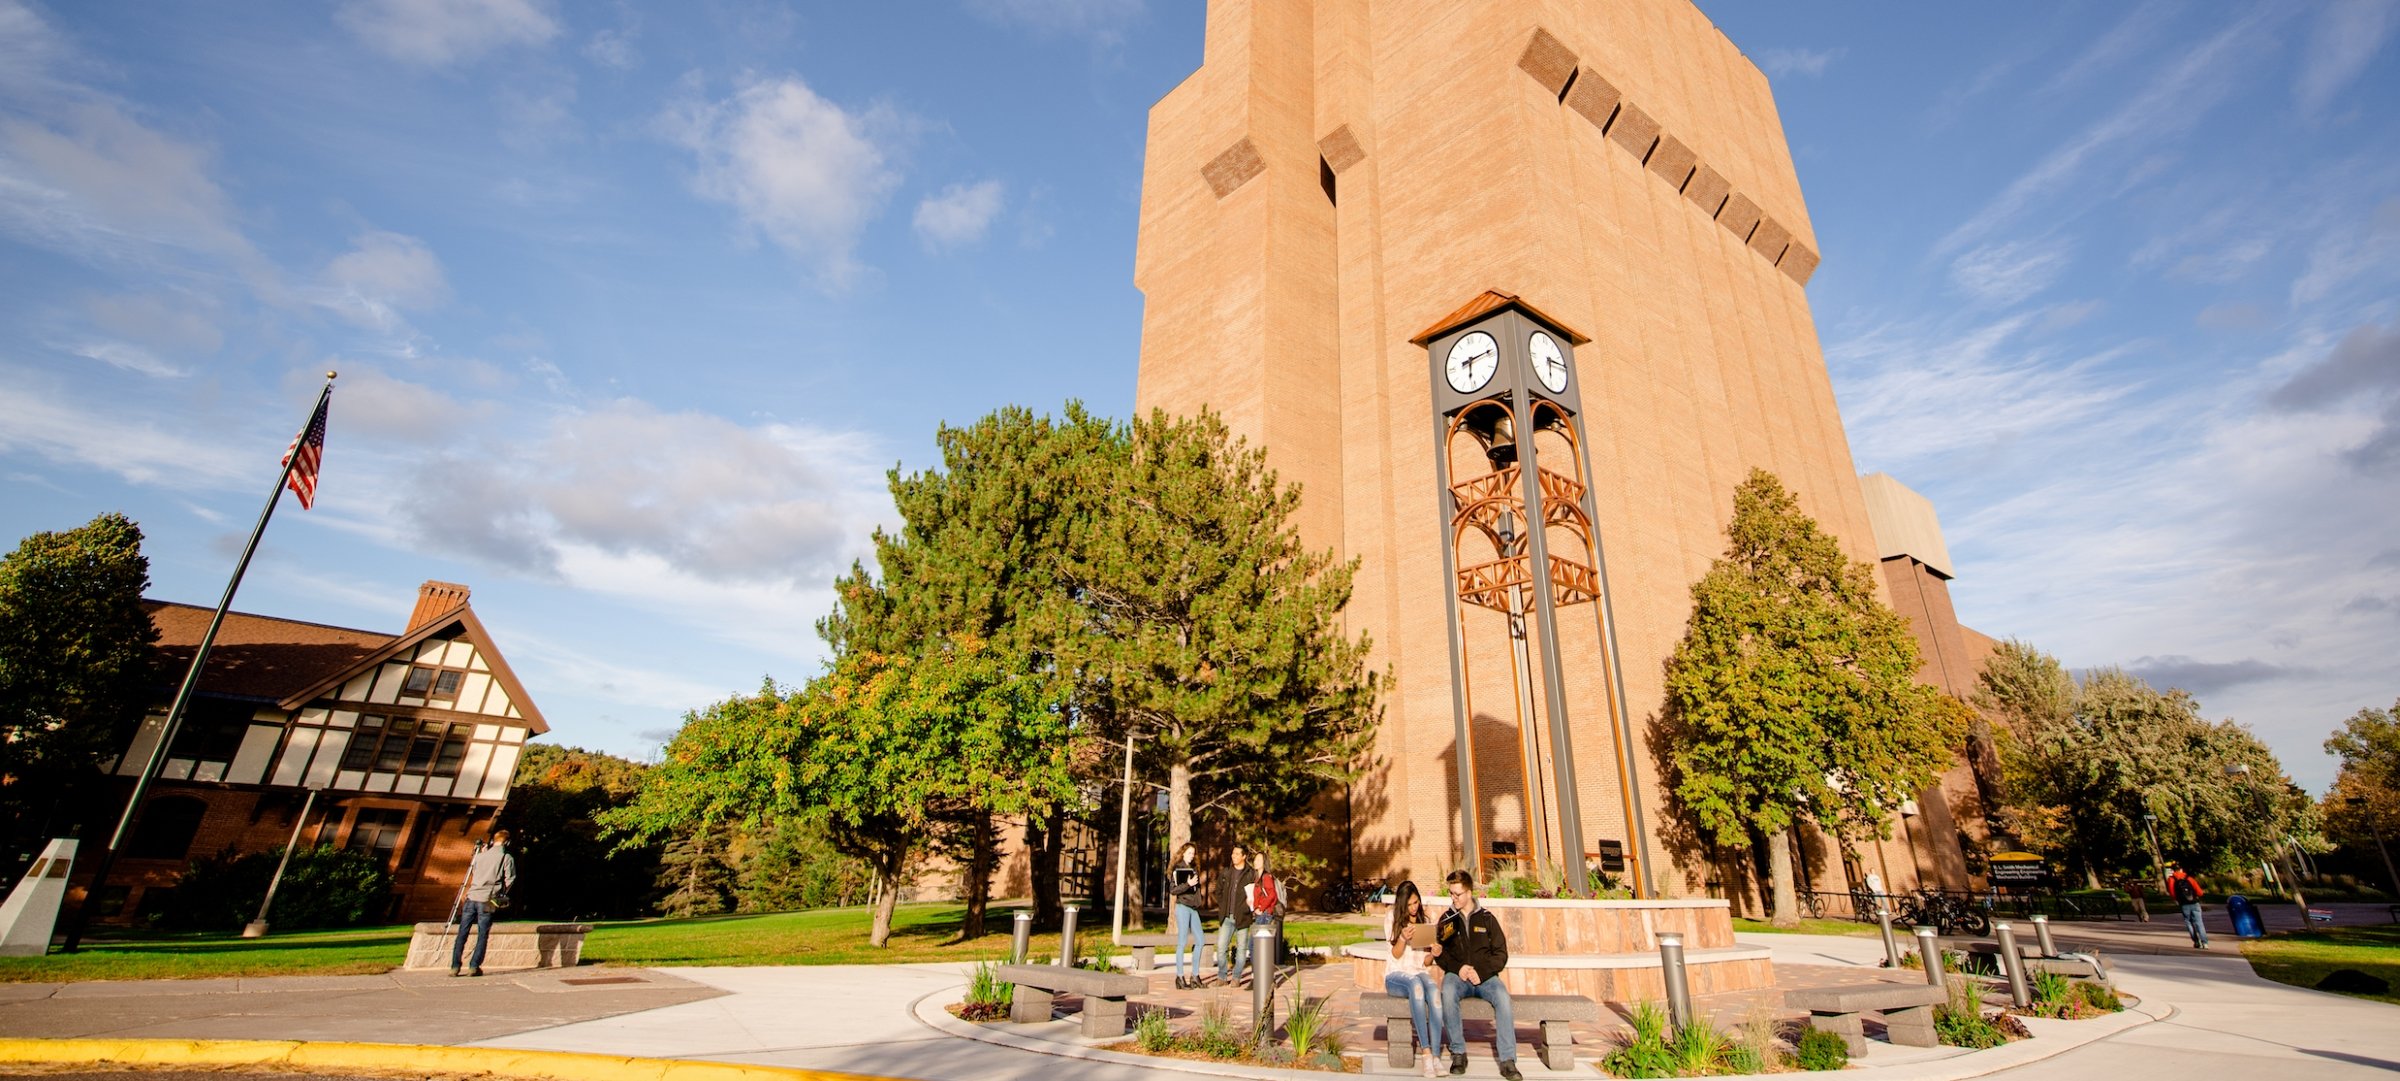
[1508, 1069]
[454, 970]
[475, 972]
[1458, 1063]
[1431, 1063]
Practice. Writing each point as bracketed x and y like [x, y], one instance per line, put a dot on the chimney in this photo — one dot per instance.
[435, 600]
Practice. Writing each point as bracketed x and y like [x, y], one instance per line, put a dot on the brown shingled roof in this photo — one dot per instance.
[257, 656]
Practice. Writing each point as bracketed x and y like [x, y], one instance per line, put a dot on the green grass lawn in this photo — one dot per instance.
[1807, 927]
[828, 936]
[2301, 958]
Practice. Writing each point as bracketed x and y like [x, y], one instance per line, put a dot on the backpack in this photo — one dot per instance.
[1262, 895]
[2184, 889]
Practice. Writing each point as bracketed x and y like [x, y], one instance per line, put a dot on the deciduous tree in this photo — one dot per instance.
[1792, 695]
[75, 664]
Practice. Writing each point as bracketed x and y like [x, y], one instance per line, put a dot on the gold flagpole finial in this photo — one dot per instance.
[332, 375]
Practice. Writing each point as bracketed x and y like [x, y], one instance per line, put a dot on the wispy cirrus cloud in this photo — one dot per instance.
[1779, 63]
[2347, 35]
[439, 32]
[959, 215]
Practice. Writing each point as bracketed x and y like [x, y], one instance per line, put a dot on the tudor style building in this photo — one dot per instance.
[410, 740]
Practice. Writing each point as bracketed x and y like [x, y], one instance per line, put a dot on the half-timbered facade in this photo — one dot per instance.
[408, 740]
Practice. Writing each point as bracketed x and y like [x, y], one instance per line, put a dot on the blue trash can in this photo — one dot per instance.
[2244, 915]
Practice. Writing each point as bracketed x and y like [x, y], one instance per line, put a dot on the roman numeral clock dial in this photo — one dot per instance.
[1472, 361]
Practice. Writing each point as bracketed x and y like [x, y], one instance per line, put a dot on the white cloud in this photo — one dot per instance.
[1101, 21]
[1781, 62]
[613, 49]
[1901, 387]
[373, 404]
[157, 321]
[703, 495]
[959, 216]
[132, 358]
[2348, 34]
[798, 168]
[43, 422]
[97, 183]
[384, 272]
[2004, 274]
[438, 32]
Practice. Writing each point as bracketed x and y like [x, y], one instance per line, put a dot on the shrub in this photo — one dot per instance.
[1698, 1049]
[1909, 959]
[323, 887]
[1216, 1038]
[1644, 1051]
[1306, 1022]
[2052, 991]
[2098, 997]
[1754, 1047]
[1103, 958]
[1152, 1034]
[987, 995]
[1961, 1023]
[1821, 1050]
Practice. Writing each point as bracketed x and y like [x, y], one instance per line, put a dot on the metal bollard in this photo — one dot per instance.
[1023, 942]
[1262, 980]
[2041, 934]
[1679, 993]
[1929, 950]
[1891, 945]
[2012, 965]
[1066, 937]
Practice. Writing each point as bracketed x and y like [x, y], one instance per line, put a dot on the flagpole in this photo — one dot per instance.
[191, 683]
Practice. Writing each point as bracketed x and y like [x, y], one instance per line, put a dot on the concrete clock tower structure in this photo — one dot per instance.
[1342, 197]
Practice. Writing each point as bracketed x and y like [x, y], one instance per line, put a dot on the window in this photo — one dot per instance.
[446, 684]
[377, 830]
[407, 745]
[433, 682]
[211, 731]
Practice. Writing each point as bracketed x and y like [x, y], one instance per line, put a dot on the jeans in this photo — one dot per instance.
[1187, 937]
[1227, 935]
[1504, 1017]
[2191, 922]
[1424, 1005]
[476, 917]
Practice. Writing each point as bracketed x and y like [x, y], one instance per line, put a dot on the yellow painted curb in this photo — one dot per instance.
[507, 1062]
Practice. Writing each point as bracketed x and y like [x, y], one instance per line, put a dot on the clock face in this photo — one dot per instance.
[1472, 362]
[1549, 364]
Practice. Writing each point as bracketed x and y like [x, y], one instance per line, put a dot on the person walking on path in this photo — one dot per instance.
[1411, 975]
[2186, 891]
[1233, 887]
[1183, 885]
[1472, 950]
[490, 875]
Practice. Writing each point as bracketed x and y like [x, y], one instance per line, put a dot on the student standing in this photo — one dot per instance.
[1233, 888]
[490, 875]
[1183, 886]
[2186, 891]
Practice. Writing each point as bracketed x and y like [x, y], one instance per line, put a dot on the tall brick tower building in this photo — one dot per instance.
[1344, 185]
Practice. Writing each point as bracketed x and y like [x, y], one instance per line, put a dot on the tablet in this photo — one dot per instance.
[1420, 935]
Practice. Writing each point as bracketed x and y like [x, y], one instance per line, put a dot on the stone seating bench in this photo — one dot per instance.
[1104, 995]
[2084, 966]
[1907, 1012]
[513, 945]
[1550, 1012]
[1146, 946]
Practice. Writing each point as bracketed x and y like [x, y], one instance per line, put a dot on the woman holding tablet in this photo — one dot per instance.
[1412, 975]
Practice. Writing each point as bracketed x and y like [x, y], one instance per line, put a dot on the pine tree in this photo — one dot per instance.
[695, 875]
[1792, 696]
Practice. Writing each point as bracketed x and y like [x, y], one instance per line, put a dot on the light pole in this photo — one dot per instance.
[1116, 935]
[258, 928]
[2158, 866]
[2375, 831]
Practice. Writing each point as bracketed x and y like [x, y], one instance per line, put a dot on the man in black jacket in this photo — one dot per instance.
[1470, 946]
[1233, 887]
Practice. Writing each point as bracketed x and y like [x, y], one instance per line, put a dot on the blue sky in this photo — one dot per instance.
[635, 303]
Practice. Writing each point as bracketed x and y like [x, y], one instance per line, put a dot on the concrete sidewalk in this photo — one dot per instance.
[885, 1020]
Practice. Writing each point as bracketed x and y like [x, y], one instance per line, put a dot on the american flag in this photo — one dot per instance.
[310, 446]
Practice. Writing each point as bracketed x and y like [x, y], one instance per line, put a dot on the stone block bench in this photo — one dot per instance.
[1907, 1012]
[2077, 966]
[513, 945]
[1550, 1012]
[1146, 947]
[1104, 995]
